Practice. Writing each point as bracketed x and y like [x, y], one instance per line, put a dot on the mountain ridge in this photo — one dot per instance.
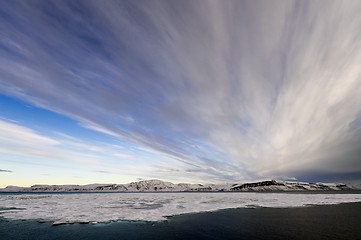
[155, 185]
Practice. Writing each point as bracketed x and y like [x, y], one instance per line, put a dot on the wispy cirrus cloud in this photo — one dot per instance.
[24, 141]
[227, 89]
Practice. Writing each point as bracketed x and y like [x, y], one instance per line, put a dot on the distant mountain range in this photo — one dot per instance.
[160, 186]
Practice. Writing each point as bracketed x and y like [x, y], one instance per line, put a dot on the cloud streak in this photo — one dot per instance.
[227, 90]
[21, 140]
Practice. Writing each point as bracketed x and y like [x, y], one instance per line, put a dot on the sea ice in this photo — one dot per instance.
[106, 207]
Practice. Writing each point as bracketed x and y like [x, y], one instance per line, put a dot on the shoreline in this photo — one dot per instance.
[288, 192]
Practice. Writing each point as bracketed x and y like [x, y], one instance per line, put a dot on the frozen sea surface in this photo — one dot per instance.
[106, 207]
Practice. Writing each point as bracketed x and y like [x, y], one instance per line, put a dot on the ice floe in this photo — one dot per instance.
[106, 207]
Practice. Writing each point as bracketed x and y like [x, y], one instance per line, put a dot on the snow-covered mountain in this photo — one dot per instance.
[160, 186]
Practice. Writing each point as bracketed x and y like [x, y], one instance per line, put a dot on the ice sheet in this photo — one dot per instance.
[106, 207]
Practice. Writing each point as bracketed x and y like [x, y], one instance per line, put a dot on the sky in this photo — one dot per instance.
[198, 91]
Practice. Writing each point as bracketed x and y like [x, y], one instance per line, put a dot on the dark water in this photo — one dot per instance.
[341, 221]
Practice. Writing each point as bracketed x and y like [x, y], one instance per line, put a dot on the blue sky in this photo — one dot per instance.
[190, 91]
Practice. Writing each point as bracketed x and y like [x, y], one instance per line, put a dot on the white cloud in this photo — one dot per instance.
[272, 87]
[20, 140]
[15, 135]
